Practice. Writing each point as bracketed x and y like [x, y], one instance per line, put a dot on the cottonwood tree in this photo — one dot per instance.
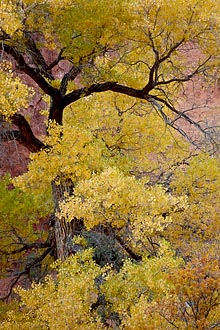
[113, 115]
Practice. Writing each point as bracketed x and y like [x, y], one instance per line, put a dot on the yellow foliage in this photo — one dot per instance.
[64, 302]
[11, 16]
[148, 279]
[14, 93]
[130, 173]
[118, 200]
[132, 31]
[98, 133]
[155, 292]
[198, 223]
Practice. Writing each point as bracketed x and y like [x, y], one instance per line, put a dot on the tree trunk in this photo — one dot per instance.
[64, 231]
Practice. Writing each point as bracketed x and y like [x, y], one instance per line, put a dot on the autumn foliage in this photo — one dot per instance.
[125, 174]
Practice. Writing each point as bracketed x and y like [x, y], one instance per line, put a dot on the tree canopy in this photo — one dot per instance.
[129, 191]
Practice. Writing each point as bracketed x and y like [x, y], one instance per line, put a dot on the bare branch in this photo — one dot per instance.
[153, 74]
[9, 135]
[26, 270]
[158, 102]
[26, 247]
[172, 49]
[169, 321]
[215, 325]
[200, 68]
[181, 114]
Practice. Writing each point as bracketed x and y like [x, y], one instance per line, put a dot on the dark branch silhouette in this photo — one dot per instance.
[25, 135]
[30, 265]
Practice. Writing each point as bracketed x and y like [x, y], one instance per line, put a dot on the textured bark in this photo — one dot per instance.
[63, 230]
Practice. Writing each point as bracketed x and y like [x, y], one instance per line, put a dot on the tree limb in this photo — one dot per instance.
[99, 88]
[25, 271]
[36, 56]
[33, 73]
[57, 60]
[26, 247]
[26, 136]
[129, 251]
[71, 75]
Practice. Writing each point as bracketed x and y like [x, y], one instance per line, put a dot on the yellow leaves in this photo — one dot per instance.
[118, 200]
[107, 138]
[158, 25]
[199, 178]
[131, 130]
[55, 83]
[11, 16]
[184, 297]
[54, 134]
[148, 279]
[154, 292]
[197, 278]
[113, 25]
[79, 240]
[14, 93]
[64, 302]
[86, 33]
[177, 18]
[94, 136]
[102, 25]
[72, 152]
[199, 222]
[104, 198]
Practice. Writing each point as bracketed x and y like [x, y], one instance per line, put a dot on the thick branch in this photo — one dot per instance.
[26, 136]
[156, 102]
[26, 247]
[59, 100]
[137, 93]
[34, 73]
[154, 69]
[37, 57]
[71, 75]
[171, 50]
[57, 60]
[98, 88]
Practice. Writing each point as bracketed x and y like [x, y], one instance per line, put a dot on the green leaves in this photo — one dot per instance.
[19, 213]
